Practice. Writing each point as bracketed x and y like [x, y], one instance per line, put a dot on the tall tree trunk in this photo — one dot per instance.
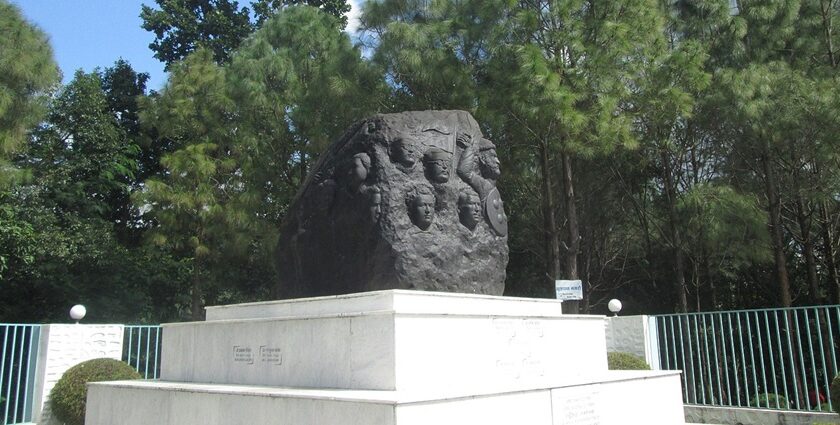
[804, 220]
[828, 30]
[676, 235]
[572, 244]
[828, 252]
[707, 265]
[774, 209]
[552, 237]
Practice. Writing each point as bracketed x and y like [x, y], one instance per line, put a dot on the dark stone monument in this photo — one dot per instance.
[382, 209]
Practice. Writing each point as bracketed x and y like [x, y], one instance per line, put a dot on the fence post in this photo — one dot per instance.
[635, 335]
[61, 347]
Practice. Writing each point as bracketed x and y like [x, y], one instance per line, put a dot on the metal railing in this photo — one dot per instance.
[141, 349]
[19, 357]
[770, 358]
[18, 360]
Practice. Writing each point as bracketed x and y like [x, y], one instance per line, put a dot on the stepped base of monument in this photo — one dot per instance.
[608, 398]
[386, 340]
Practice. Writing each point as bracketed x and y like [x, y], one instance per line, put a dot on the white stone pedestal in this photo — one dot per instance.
[389, 358]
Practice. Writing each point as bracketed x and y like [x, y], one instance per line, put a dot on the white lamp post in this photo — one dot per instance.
[78, 312]
[614, 306]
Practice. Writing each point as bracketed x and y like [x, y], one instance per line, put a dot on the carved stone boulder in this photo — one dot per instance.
[401, 201]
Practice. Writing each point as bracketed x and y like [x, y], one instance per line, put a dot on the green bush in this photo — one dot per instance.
[768, 400]
[835, 393]
[626, 361]
[67, 398]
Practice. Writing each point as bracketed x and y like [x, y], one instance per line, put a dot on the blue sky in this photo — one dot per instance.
[86, 34]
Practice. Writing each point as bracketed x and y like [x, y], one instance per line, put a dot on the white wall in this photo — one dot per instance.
[64, 346]
[634, 335]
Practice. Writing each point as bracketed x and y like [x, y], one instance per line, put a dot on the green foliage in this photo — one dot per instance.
[80, 157]
[298, 83]
[27, 72]
[664, 154]
[625, 361]
[68, 397]
[264, 9]
[17, 241]
[769, 400]
[725, 227]
[192, 203]
[835, 393]
[70, 234]
[183, 26]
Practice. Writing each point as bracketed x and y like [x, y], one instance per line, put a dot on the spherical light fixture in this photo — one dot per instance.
[614, 306]
[78, 312]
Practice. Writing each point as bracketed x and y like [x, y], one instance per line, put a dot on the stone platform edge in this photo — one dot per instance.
[403, 301]
[389, 397]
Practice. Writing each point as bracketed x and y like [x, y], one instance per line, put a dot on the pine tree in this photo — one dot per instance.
[561, 85]
[27, 72]
[298, 83]
[193, 201]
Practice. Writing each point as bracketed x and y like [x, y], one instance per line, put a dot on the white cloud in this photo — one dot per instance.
[353, 16]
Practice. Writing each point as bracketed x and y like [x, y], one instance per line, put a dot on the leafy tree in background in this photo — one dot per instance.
[264, 9]
[245, 135]
[80, 157]
[124, 90]
[298, 83]
[559, 86]
[431, 52]
[27, 72]
[183, 26]
[64, 223]
[193, 201]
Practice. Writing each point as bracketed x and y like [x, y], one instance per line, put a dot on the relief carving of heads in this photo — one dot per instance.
[404, 152]
[469, 208]
[488, 161]
[421, 206]
[358, 171]
[437, 162]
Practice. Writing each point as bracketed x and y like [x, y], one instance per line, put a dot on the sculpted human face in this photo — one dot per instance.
[469, 211]
[424, 211]
[439, 170]
[404, 152]
[490, 164]
[375, 207]
[357, 173]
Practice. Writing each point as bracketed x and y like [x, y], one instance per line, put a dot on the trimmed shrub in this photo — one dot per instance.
[67, 398]
[626, 361]
[768, 401]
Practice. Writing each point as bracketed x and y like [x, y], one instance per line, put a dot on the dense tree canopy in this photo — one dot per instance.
[681, 156]
[183, 26]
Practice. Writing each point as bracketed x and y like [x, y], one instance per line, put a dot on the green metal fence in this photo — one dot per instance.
[18, 359]
[769, 358]
[141, 349]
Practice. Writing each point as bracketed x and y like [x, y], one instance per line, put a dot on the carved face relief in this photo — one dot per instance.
[423, 210]
[437, 163]
[375, 205]
[490, 164]
[469, 209]
[404, 152]
[358, 171]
